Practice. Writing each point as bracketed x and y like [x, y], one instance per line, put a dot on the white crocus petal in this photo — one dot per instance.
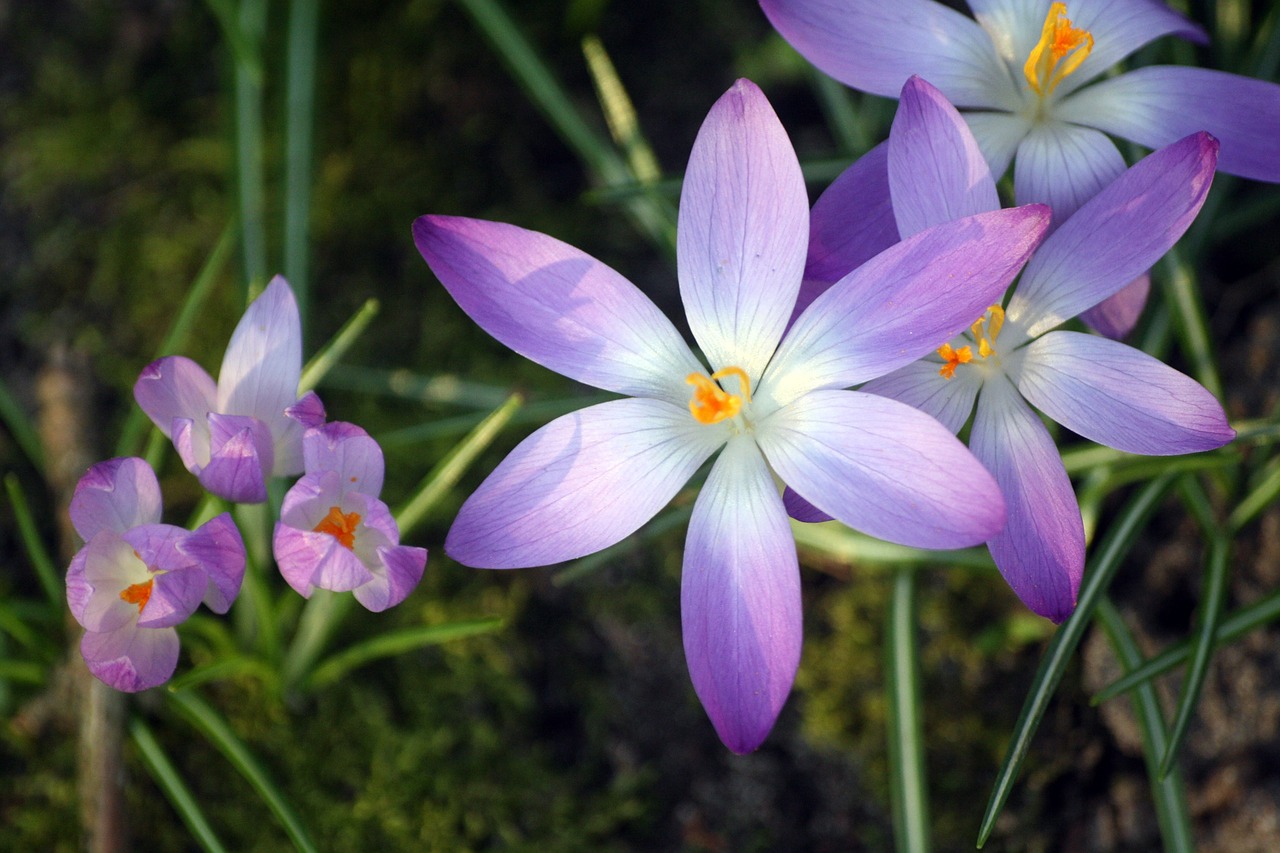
[921, 386]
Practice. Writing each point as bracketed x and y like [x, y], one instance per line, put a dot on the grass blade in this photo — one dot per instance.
[328, 356]
[20, 427]
[1168, 790]
[170, 782]
[299, 128]
[41, 561]
[205, 719]
[250, 23]
[908, 794]
[396, 643]
[1097, 577]
[1183, 294]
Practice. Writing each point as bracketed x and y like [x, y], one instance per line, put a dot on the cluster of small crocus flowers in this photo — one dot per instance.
[136, 578]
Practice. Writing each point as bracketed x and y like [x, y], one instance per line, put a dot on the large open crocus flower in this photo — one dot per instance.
[771, 403]
[1024, 74]
[334, 533]
[135, 578]
[1014, 354]
[235, 434]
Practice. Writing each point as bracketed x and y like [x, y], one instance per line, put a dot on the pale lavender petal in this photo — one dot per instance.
[79, 590]
[176, 388]
[1119, 28]
[742, 233]
[936, 171]
[219, 548]
[1013, 25]
[242, 456]
[308, 411]
[1116, 315]
[310, 560]
[875, 46]
[348, 450]
[377, 528]
[905, 302]
[192, 442]
[308, 501]
[851, 223]
[740, 598]
[115, 495]
[109, 566]
[1157, 105]
[1119, 396]
[1064, 165]
[998, 135]
[1116, 236]
[397, 574]
[1040, 551]
[884, 468]
[557, 306]
[921, 386]
[130, 658]
[581, 483]
[263, 363]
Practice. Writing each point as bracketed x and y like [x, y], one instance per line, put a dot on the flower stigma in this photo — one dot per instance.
[341, 526]
[138, 593]
[984, 331]
[953, 358]
[1059, 52]
[711, 404]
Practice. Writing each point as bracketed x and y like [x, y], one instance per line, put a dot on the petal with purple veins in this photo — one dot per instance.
[115, 495]
[131, 658]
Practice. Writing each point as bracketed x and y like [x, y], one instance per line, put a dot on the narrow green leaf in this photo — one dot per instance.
[250, 23]
[1183, 293]
[324, 360]
[20, 427]
[842, 117]
[1233, 627]
[299, 128]
[1261, 497]
[908, 793]
[205, 719]
[26, 672]
[396, 643]
[321, 616]
[531, 413]
[170, 782]
[1097, 577]
[667, 521]
[224, 668]
[33, 543]
[243, 54]
[1168, 790]
[849, 547]
[445, 475]
[619, 113]
[444, 388]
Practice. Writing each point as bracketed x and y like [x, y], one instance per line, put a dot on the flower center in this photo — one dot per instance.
[1059, 52]
[984, 331]
[341, 526]
[711, 404]
[138, 593]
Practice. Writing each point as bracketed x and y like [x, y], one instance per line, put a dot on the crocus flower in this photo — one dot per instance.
[236, 434]
[770, 403]
[1022, 71]
[334, 533]
[135, 578]
[1014, 355]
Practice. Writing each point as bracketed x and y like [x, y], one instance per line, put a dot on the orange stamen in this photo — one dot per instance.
[341, 526]
[138, 593]
[953, 358]
[711, 404]
[1061, 49]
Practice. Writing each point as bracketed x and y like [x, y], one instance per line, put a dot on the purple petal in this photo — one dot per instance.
[884, 468]
[263, 364]
[875, 46]
[1157, 105]
[581, 483]
[1116, 395]
[348, 450]
[178, 580]
[219, 548]
[79, 590]
[1040, 551]
[921, 386]
[115, 495]
[1116, 315]
[742, 232]
[308, 411]
[800, 509]
[740, 598]
[905, 302]
[308, 501]
[131, 658]
[107, 566]
[1116, 236]
[850, 224]
[1063, 166]
[398, 573]
[936, 171]
[557, 306]
[242, 457]
[998, 136]
[176, 388]
[309, 560]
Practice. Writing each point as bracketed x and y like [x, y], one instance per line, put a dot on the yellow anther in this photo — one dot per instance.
[711, 404]
[138, 593]
[952, 358]
[1059, 52]
[341, 526]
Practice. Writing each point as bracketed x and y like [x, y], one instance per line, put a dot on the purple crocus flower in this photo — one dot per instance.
[1014, 355]
[771, 403]
[1022, 69]
[236, 434]
[334, 533]
[135, 578]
